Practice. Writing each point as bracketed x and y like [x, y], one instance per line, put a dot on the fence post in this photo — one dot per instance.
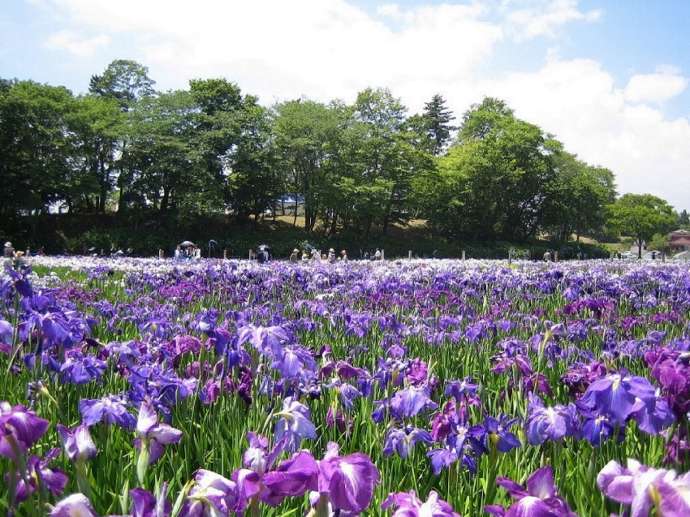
[463, 255]
[161, 253]
[409, 254]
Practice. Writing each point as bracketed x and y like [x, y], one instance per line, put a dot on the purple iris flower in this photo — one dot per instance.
[295, 362]
[111, 409]
[19, 429]
[81, 369]
[211, 494]
[40, 476]
[618, 396]
[496, 432]
[538, 498]
[6, 332]
[596, 429]
[145, 504]
[292, 478]
[407, 504]
[645, 489]
[294, 424]
[347, 482]
[621, 397]
[77, 442]
[460, 390]
[72, 506]
[409, 402]
[152, 436]
[264, 339]
[549, 423]
[404, 440]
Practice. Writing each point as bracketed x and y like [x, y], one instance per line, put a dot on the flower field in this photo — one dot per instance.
[411, 388]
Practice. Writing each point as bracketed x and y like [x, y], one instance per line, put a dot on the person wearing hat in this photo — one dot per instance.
[343, 255]
[331, 256]
[294, 256]
[8, 252]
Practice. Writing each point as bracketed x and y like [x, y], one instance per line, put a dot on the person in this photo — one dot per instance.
[343, 255]
[547, 256]
[263, 255]
[315, 255]
[305, 256]
[294, 256]
[178, 252]
[331, 256]
[197, 253]
[8, 252]
[377, 255]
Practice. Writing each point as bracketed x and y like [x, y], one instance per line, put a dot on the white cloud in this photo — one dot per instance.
[658, 87]
[544, 17]
[76, 44]
[330, 48]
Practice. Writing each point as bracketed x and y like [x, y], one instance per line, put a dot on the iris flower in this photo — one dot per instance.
[407, 504]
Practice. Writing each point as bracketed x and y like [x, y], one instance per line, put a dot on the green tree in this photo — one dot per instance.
[35, 146]
[641, 216]
[684, 219]
[438, 117]
[124, 80]
[305, 132]
[496, 180]
[578, 197]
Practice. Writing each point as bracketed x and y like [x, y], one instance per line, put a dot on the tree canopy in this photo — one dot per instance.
[357, 167]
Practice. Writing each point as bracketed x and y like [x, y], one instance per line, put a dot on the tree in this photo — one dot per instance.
[125, 81]
[495, 182]
[437, 117]
[305, 132]
[684, 218]
[35, 145]
[578, 197]
[641, 216]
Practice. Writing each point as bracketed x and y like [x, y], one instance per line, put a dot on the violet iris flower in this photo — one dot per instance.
[645, 488]
[294, 424]
[347, 482]
[549, 423]
[77, 442]
[618, 396]
[40, 476]
[111, 409]
[145, 504]
[407, 504]
[75, 505]
[152, 436]
[211, 495]
[538, 498]
[409, 402]
[404, 440]
[496, 432]
[20, 428]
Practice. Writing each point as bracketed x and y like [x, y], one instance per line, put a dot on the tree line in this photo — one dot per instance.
[359, 167]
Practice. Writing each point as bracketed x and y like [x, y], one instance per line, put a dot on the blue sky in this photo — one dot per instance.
[608, 78]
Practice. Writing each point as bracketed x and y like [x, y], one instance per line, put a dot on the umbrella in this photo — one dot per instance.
[186, 244]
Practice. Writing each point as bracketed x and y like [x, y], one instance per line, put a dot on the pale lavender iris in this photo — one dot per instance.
[294, 424]
[407, 504]
[153, 435]
[75, 505]
[77, 442]
[646, 489]
[111, 409]
[403, 441]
